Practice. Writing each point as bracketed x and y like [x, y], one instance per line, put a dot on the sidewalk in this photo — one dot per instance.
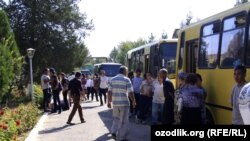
[53, 127]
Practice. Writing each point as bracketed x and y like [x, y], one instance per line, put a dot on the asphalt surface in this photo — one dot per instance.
[53, 127]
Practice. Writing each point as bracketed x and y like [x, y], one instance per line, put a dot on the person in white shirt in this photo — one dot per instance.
[240, 79]
[158, 101]
[45, 82]
[89, 85]
[103, 87]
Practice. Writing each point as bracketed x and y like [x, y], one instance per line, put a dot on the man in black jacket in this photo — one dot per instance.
[168, 89]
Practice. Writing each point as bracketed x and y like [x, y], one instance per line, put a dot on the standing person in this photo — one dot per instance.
[65, 84]
[76, 90]
[131, 76]
[158, 101]
[89, 85]
[137, 81]
[203, 110]
[239, 77]
[181, 85]
[192, 101]
[145, 98]
[119, 90]
[96, 81]
[168, 90]
[56, 89]
[83, 84]
[103, 87]
[45, 82]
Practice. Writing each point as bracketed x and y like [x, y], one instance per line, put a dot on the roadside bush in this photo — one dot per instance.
[14, 122]
[38, 95]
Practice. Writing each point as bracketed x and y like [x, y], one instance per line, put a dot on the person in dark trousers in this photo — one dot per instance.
[96, 82]
[45, 79]
[131, 76]
[137, 81]
[76, 91]
[168, 90]
[103, 87]
[65, 84]
[145, 98]
[192, 101]
[56, 89]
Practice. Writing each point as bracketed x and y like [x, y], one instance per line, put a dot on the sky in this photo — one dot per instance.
[128, 20]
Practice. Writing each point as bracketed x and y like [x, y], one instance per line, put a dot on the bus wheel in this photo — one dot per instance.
[209, 118]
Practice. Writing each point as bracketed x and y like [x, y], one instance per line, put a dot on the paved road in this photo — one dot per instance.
[52, 127]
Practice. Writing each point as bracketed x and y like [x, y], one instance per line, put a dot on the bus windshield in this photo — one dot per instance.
[168, 54]
[111, 70]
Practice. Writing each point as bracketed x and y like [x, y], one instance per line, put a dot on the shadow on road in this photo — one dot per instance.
[53, 130]
[137, 132]
[104, 137]
[89, 107]
[106, 117]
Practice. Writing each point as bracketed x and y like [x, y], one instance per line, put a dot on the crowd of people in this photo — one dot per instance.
[133, 96]
[75, 88]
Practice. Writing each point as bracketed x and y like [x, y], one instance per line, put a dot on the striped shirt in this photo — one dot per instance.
[120, 86]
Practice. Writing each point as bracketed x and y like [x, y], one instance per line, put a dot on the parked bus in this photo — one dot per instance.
[154, 56]
[212, 48]
[111, 69]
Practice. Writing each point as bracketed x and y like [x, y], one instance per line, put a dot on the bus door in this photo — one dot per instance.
[191, 55]
[154, 60]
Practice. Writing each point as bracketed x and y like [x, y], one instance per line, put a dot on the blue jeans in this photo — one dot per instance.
[157, 110]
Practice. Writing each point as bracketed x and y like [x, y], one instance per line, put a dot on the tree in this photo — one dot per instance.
[187, 21]
[113, 54]
[151, 38]
[11, 61]
[125, 46]
[164, 35]
[239, 2]
[55, 28]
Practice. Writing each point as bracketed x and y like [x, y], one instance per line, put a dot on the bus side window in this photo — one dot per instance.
[209, 45]
[232, 45]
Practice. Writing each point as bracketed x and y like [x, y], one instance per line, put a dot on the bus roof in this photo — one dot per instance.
[150, 44]
[219, 16]
[109, 64]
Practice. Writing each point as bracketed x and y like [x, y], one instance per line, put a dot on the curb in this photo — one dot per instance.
[34, 131]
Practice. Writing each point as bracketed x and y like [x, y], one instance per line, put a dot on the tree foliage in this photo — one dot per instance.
[10, 59]
[125, 46]
[164, 35]
[188, 19]
[113, 54]
[151, 38]
[55, 28]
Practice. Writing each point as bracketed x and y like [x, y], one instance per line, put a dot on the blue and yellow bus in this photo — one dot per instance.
[154, 56]
[213, 47]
